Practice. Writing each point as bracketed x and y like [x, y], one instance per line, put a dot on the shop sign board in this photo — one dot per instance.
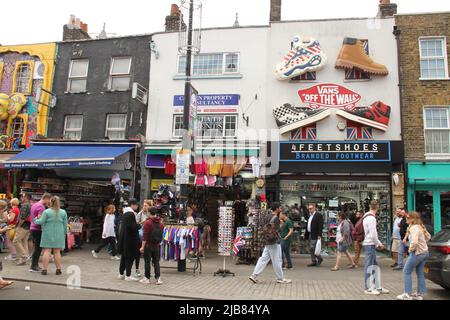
[53, 165]
[332, 151]
[183, 162]
[210, 103]
[329, 96]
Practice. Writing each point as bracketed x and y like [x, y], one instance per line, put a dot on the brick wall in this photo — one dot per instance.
[416, 93]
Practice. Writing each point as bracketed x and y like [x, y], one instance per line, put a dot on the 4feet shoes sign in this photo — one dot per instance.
[320, 99]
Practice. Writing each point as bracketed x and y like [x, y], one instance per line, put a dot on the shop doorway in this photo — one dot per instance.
[332, 197]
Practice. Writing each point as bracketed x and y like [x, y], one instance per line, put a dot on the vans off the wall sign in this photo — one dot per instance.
[329, 96]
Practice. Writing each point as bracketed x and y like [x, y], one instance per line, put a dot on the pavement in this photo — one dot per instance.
[307, 283]
[39, 291]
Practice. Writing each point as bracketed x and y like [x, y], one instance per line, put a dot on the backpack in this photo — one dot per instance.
[270, 234]
[358, 233]
[156, 236]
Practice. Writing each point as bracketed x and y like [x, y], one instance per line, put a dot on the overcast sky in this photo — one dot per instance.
[44, 20]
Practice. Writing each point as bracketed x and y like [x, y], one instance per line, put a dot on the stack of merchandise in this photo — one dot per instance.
[226, 219]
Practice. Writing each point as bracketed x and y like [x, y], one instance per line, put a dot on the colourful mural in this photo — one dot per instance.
[23, 70]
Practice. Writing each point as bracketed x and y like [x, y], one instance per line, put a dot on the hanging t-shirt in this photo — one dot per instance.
[212, 181]
[200, 167]
[228, 171]
[200, 180]
[215, 166]
[256, 166]
[170, 167]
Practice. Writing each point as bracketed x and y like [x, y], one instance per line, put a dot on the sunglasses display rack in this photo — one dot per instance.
[226, 237]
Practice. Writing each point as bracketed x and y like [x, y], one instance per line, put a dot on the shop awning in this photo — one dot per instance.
[68, 155]
[206, 149]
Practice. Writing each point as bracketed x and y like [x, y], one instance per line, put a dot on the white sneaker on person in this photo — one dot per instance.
[131, 279]
[11, 258]
[121, 277]
[372, 292]
[137, 274]
[417, 296]
[404, 296]
[94, 254]
[115, 258]
[144, 281]
[284, 281]
[383, 291]
[159, 282]
[253, 279]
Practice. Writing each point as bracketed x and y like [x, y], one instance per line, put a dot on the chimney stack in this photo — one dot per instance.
[75, 30]
[387, 9]
[173, 21]
[275, 10]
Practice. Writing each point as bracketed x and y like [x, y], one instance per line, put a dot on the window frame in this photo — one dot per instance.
[116, 129]
[120, 75]
[199, 129]
[70, 77]
[30, 80]
[426, 129]
[66, 117]
[223, 71]
[444, 57]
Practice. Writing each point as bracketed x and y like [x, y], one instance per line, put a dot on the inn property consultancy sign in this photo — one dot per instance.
[331, 151]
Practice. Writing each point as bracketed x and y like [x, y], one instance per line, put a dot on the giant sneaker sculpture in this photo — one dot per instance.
[302, 58]
[289, 118]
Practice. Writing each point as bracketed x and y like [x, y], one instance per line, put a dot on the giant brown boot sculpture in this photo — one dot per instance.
[353, 55]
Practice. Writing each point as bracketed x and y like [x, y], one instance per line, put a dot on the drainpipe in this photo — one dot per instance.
[397, 32]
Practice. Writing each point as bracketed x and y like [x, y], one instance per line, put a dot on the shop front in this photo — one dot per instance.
[85, 175]
[220, 173]
[429, 193]
[339, 177]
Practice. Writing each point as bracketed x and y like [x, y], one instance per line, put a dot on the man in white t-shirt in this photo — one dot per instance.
[372, 273]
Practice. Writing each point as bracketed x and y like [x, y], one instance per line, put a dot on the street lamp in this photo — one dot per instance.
[189, 40]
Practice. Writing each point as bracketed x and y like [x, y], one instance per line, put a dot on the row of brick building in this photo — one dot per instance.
[119, 109]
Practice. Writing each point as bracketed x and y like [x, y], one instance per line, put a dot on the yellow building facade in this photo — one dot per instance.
[24, 71]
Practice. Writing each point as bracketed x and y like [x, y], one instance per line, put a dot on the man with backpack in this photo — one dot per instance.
[151, 246]
[367, 226]
[272, 248]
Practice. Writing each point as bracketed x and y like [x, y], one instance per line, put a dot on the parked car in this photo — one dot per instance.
[437, 267]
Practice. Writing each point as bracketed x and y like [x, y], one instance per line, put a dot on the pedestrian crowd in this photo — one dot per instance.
[410, 239]
[30, 230]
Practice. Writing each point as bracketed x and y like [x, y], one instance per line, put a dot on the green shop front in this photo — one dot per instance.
[429, 193]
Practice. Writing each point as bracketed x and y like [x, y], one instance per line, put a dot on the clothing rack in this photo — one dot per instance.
[198, 262]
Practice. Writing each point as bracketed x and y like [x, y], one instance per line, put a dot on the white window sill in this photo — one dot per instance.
[124, 90]
[219, 76]
[357, 80]
[438, 156]
[434, 79]
[75, 92]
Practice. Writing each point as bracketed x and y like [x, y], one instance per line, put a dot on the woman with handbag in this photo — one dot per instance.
[344, 241]
[54, 232]
[418, 254]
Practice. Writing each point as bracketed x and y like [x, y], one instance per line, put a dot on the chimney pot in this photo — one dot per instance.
[387, 9]
[275, 10]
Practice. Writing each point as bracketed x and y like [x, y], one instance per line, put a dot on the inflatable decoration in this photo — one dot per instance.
[10, 106]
